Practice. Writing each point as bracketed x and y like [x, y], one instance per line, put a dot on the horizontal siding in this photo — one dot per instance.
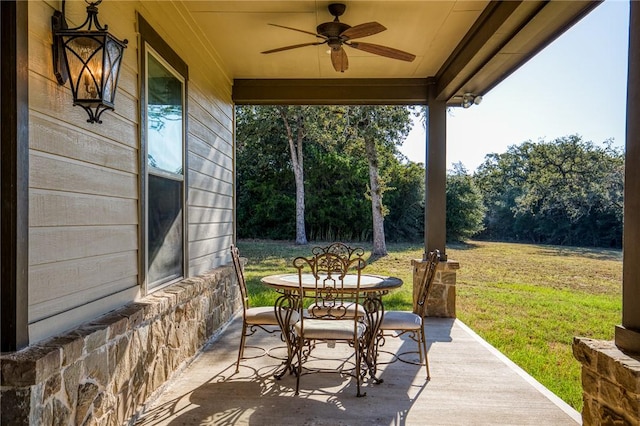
[65, 174]
[204, 231]
[66, 320]
[60, 278]
[54, 208]
[84, 178]
[50, 136]
[79, 242]
[201, 198]
[207, 183]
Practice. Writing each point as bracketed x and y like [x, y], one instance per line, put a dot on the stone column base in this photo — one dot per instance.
[610, 383]
[442, 297]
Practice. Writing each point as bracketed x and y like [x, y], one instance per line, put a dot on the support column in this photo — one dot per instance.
[628, 334]
[611, 370]
[436, 176]
[14, 176]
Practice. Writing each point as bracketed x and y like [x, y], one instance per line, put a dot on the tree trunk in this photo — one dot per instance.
[377, 213]
[295, 148]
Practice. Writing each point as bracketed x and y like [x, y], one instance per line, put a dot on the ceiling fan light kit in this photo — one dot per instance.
[337, 34]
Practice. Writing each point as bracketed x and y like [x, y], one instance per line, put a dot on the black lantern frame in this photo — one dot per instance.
[90, 58]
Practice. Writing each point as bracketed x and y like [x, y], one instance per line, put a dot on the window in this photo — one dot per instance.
[164, 183]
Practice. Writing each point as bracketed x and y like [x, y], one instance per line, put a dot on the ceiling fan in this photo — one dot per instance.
[337, 34]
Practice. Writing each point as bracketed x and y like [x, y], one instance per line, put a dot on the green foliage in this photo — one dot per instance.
[336, 174]
[564, 192]
[465, 210]
[405, 221]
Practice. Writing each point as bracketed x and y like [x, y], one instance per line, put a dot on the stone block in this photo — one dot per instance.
[61, 413]
[590, 383]
[96, 367]
[30, 366]
[447, 278]
[52, 386]
[114, 322]
[134, 312]
[71, 379]
[94, 336]
[87, 392]
[71, 345]
[15, 406]
[583, 352]
[609, 417]
[119, 362]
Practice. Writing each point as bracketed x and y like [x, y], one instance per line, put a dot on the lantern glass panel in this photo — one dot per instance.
[84, 59]
[113, 56]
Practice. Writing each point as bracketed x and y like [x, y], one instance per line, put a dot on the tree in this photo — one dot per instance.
[465, 209]
[566, 191]
[293, 120]
[380, 129]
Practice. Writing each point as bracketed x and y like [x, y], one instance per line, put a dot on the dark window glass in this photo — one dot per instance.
[165, 230]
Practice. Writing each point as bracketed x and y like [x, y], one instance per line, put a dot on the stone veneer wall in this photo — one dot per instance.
[442, 296]
[103, 372]
[610, 383]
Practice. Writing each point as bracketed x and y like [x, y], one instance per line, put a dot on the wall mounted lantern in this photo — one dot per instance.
[90, 58]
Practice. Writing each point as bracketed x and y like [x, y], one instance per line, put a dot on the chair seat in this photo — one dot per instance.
[400, 320]
[315, 310]
[266, 315]
[329, 329]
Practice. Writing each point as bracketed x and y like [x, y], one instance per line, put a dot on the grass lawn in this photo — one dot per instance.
[528, 301]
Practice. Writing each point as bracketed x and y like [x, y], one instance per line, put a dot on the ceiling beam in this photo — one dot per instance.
[343, 91]
[456, 71]
[505, 36]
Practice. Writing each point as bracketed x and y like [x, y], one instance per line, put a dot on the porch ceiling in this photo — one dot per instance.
[462, 46]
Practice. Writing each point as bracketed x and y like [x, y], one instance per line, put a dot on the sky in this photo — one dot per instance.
[576, 85]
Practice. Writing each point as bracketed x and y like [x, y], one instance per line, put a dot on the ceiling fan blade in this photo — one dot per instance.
[389, 52]
[363, 30]
[300, 31]
[295, 46]
[339, 59]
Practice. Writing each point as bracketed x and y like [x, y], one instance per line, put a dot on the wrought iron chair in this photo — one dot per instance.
[253, 318]
[346, 252]
[336, 287]
[409, 323]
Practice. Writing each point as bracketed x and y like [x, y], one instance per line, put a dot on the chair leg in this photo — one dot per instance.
[359, 347]
[423, 337]
[241, 349]
[298, 369]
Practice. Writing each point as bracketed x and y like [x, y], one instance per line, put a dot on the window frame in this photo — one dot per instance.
[152, 43]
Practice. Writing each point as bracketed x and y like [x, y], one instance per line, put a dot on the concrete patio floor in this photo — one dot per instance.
[471, 384]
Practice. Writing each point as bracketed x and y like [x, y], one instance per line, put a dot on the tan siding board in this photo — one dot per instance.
[209, 247]
[58, 173]
[210, 152]
[79, 298]
[201, 231]
[200, 198]
[209, 168]
[206, 183]
[53, 208]
[221, 111]
[49, 98]
[202, 113]
[205, 215]
[48, 245]
[60, 279]
[57, 323]
[202, 132]
[49, 136]
[206, 263]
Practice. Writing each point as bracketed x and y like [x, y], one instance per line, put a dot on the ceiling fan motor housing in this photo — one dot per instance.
[332, 29]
